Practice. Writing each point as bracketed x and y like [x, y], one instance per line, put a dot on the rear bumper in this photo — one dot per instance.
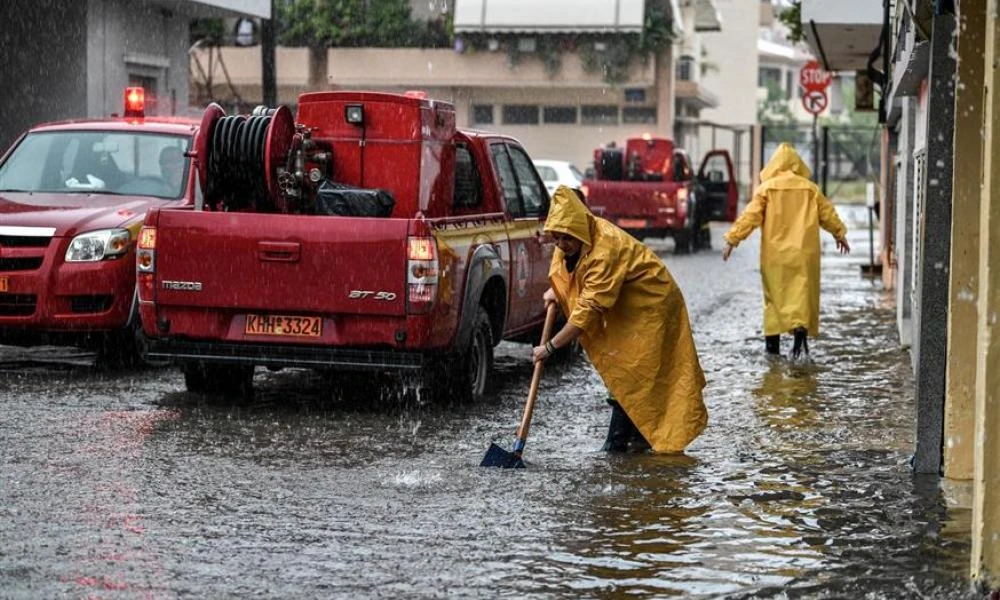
[286, 355]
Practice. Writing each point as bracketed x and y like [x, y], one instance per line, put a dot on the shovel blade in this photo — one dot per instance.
[498, 457]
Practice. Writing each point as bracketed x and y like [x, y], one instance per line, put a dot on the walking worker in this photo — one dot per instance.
[789, 209]
[631, 319]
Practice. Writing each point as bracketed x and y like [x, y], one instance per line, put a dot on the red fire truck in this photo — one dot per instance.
[72, 198]
[366, 233]
[649, 189]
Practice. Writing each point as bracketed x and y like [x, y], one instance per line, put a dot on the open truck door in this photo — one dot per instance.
[718, 181]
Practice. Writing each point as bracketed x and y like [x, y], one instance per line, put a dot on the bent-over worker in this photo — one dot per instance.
[631, 319]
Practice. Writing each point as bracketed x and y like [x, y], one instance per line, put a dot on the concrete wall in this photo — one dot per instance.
[44, 77]
[733, 54]
[904, 219]
[128, 41]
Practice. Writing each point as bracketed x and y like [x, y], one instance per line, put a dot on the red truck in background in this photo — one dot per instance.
[649, 189]
[364, 234]
[72, 198]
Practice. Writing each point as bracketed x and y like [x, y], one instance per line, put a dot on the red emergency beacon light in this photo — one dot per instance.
[135, 103]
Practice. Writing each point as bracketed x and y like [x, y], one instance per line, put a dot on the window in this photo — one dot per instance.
[685, 68]
[533, 193]
[599, 114]
[96, 162]
[639, 114]
[559, 114]
[769, 77]
[520, 114]
[547, 173]
[482, 114]
[467, 193]
[682, 170]
[508, 181]
[635, 95]
[789, 90]
[523, 192]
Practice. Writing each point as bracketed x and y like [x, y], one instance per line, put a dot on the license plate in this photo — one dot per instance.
[631, 222]
[285, 326]
[3, 284]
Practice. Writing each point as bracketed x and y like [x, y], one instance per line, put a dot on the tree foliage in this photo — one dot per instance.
[791, 17]
[356, 23]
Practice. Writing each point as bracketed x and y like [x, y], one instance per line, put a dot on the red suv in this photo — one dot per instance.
[73, 195]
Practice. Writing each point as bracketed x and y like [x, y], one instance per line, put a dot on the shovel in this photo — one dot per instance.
[497, 456]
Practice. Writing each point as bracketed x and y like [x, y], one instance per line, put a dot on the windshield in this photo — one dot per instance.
[103, 162]
[576, 173]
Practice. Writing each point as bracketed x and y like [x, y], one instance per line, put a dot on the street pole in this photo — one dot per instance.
[269, 84]
[815, 161]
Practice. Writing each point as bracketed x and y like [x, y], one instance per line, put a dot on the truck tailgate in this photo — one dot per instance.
[281, 264]
[633, 199]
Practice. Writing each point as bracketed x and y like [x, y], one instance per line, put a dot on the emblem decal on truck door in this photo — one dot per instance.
[522, 270]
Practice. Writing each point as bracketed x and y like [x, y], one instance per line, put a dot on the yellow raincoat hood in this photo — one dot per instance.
[635, 324]
[790, 210]
[785, 160]
[568, 215]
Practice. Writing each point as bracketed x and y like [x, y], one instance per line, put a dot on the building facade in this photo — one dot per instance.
[518, 66]
[75, 59]
[937, 66]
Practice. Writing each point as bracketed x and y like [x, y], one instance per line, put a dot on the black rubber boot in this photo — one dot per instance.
[623, 435]
[772, 343]
[801, 343]
[618, 430]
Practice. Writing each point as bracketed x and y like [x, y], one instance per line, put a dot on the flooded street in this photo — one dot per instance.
[122, 485]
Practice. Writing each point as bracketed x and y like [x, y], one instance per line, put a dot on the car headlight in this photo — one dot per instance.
[98, 245]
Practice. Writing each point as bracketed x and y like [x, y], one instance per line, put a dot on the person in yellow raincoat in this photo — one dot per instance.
[631, 319]
[789, 209]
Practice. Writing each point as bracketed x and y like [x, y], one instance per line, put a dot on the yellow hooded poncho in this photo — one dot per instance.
[635, 324]
[790, 209]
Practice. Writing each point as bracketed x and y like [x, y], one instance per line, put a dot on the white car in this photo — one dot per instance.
[558, 172]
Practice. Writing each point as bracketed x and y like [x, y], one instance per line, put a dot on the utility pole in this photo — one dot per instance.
[269, 83]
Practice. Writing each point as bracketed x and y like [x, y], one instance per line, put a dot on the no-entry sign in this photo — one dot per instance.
[812, 77]
[814, 101]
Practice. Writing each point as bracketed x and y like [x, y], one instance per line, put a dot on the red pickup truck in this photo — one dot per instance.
[72, 198]
[649, 189]
[365, 234]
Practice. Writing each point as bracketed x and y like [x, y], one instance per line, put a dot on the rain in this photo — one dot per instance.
[118, 479]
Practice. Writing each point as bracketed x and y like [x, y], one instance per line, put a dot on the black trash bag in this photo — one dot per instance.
[337, 199]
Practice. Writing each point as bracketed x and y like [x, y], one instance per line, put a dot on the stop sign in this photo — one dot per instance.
[812, 77]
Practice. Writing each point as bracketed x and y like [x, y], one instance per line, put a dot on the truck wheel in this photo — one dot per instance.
[470, 378]
[223, 380]
[685, 239]
[682, 241]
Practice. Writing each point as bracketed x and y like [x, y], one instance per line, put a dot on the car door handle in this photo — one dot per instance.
[279, 251]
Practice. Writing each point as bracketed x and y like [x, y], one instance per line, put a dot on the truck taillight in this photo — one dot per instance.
[421, 274]
[145, 262]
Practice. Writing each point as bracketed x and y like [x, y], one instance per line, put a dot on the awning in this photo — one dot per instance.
[549, 16]
[706, 16]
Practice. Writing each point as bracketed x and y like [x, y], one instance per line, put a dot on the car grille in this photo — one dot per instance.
[28, 263]
[90, 304]
[17, 305]
[24, 241]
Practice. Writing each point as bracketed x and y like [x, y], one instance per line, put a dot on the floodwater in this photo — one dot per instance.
[121, 485]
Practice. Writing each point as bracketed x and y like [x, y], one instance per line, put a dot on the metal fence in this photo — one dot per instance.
[842, 158]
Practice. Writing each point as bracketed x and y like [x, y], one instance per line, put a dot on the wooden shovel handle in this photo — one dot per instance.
[522, 430]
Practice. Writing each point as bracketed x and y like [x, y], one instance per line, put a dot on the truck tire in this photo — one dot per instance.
[234, 381]
[685, 238]
[470, 377]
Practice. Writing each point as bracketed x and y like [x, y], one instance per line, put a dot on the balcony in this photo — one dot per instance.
[842, 34]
